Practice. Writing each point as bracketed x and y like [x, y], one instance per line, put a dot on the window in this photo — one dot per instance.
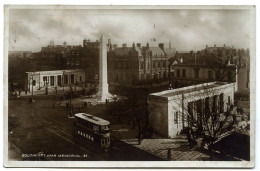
[207, 107]
[210, 75]
[178, 72]
[153, 64]
[176, 118]
[221, 102]
[33, 82]
[80, 78]
[44, 80]
[65, 79]
[229, 100]
[72, 78]
[184, 72]
[95, 128]
[52, 81]
[196, 72]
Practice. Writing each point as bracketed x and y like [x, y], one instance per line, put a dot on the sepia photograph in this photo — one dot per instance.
[129, 86]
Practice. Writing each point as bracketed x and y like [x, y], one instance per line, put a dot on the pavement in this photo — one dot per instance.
[14, 153]
[51, 91]
[158, 146]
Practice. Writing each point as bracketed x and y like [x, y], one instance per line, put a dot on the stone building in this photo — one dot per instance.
[210, 64]
[133, 65]
[57, 78]
[170, 108]
[54, 57]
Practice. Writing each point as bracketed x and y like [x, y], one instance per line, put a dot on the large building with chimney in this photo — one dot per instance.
[137, 65]
[210, 64]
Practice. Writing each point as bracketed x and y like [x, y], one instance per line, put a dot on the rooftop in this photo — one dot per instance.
[189, 89]
[93, 119]
[44, 72]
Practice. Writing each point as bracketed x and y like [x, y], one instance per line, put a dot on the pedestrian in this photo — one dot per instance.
[26, 92]
[89, 103]
[19, 92]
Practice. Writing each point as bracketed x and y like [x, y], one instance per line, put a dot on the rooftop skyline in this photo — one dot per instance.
[187, 29]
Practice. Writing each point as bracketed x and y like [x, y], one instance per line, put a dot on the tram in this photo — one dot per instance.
[91, 129]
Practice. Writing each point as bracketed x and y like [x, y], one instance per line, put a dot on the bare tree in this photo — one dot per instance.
[206, 117]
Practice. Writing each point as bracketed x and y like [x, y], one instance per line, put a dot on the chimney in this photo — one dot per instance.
[52, 43]
[161, 45]
[115, 46]
[65, 44]
[206, 46]
[147, 45]
[181, 60]
[133, 44]
[139, 45]
[214, 45]
[124, 45]
[224, 45]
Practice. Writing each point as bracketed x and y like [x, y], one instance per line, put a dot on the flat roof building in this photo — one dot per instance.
[56, 78]
[169, 109]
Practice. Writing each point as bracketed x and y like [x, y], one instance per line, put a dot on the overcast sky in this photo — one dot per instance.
[187, 29]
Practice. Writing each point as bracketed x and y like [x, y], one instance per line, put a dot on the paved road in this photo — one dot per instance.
[48, 131]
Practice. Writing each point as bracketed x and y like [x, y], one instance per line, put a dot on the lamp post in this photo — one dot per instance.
[70, 100]
[46, 89]
[31, 80]
[63, 80]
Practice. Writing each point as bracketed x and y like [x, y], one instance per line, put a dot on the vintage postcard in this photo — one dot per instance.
[129, 86]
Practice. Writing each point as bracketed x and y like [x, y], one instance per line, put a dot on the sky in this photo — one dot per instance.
[187, 29]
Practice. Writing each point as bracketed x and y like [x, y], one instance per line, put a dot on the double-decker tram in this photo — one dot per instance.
[91, 129]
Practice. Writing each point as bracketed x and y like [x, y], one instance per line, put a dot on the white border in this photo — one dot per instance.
[183, 164]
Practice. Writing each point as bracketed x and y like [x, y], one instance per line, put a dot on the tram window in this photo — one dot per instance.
[92, 138]
[78, 132]
[95, 128]
[83, 134]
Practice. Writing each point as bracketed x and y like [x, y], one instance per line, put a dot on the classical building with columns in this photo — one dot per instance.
[169, 109]
[57, 78]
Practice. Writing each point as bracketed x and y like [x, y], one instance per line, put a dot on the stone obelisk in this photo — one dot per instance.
[103, 93]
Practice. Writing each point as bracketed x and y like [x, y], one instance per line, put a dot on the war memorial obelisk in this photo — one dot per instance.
[103, 93]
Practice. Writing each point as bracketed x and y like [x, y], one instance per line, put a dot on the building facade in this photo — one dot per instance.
[57, 78]
[210, 64]
[136, 65]
[170, 108]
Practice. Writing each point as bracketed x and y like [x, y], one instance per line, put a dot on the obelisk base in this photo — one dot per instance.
[102, 97]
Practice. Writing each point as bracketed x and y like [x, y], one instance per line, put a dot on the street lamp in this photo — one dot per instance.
[70, 101]
[31, 80]
[63, 79]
